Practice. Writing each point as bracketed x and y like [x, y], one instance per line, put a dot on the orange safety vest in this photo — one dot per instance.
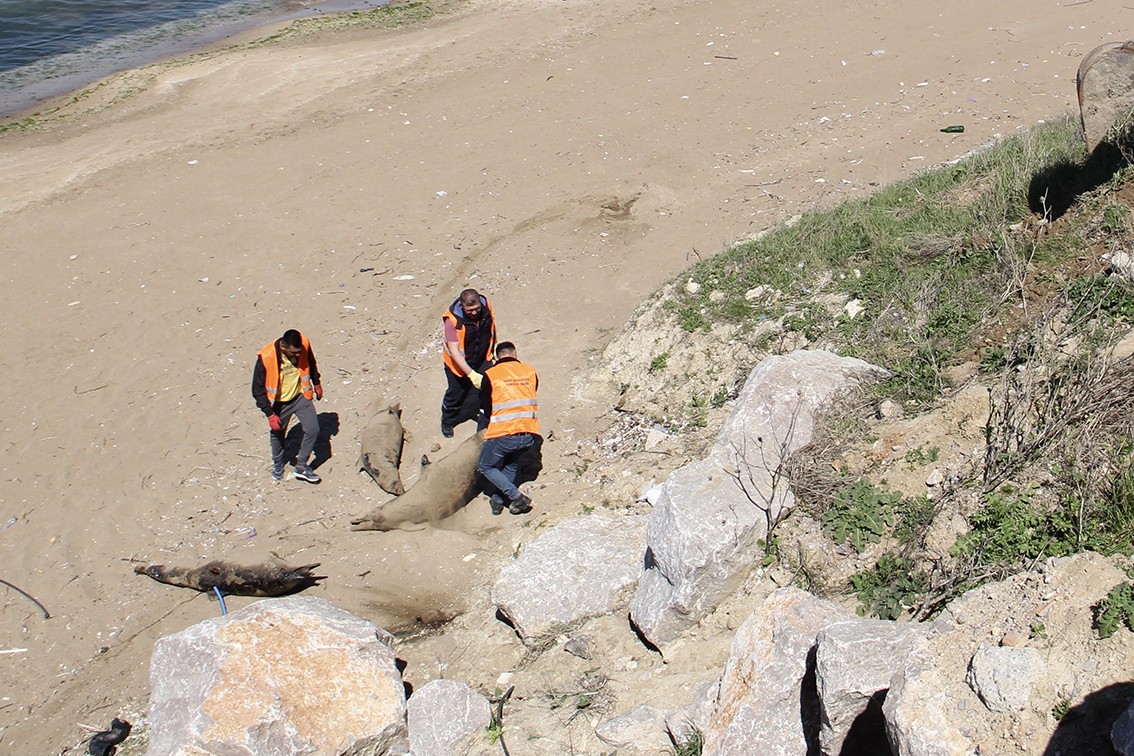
[462, 333]
[270, 355]
[514, 405]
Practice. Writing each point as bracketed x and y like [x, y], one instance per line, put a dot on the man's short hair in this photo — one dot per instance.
[293, 338]
[470, 295]
[505, 346]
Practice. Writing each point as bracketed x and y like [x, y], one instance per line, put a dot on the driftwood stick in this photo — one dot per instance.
[499, 718]
[28, 596]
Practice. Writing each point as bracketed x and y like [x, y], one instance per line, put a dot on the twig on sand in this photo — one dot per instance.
[28, 596]
[498, 718]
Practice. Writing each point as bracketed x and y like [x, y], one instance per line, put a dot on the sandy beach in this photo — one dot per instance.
[566, 158]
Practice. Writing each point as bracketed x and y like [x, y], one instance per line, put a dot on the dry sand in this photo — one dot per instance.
[566, 157]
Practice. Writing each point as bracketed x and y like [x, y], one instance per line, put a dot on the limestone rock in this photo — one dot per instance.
[1105, 85]
[854, 662]
[1122, 733]
[681, 722]
[641, 729]
[768, 702]
[283, 675]
[704, 530]
[584, 567]
[442, 714]
[1004, 677]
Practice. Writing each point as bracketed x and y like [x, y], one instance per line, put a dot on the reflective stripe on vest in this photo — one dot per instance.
[514, 405]
[270, 357]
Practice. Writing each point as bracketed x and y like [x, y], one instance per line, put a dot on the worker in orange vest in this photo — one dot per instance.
[466, 350]
[284, 383]
[508, 396]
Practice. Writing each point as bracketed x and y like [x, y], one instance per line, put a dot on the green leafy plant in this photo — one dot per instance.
[1061, 709]
[658, 363]
[993, 359]
[918, 456]
[890, 587]
[860, 514]
[1037, 630]
[1009, 530]
[1115, 610]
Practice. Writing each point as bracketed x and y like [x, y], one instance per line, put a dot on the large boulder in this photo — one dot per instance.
[704, 532]
[854, 661]
[583, 567]
[1105, 85]
[284, 675]
[768, 701]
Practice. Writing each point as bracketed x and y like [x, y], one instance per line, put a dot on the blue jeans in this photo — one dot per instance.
[500, 461]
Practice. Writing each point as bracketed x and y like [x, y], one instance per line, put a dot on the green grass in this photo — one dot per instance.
[928, 259]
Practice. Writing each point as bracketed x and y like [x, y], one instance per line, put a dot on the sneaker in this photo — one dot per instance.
[522, 505]
[446, 430]
[277, 471]
[304, 472]
[497, 502]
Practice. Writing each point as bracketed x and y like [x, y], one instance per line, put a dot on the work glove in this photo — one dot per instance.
[274, 421]
[476, 378]
[319, 392]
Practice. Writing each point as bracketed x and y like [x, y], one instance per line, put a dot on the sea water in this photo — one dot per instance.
[51, 47]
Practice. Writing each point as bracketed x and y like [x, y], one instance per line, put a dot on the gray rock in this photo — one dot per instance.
[764, 705]
[1122, 733]
[640, 729]
[442, 714]
[284, 675]
[1105, 85]
[854, 661]
[921, 715]
[1122, 265]
[584, 567]
[703, 533]
[681, 722]
[1005, 677]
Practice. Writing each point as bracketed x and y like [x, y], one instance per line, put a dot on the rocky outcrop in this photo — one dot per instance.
[442, 714]
[285, 675]
[583, 567]
[959, 692]
[703, 533]
[768, 701]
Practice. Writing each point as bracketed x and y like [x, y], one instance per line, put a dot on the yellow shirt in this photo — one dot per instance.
[289, 380]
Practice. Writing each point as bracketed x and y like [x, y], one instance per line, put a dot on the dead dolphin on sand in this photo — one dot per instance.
[382, 448]
[268, 579]
[443, 488]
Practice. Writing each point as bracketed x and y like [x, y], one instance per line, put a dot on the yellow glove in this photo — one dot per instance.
[476, 378]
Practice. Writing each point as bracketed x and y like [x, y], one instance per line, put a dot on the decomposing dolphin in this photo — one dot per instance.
[268, 579]
[382, 448]
[443, 488]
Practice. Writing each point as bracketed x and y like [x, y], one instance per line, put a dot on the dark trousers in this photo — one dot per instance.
[304, 409]
[461, 401]
[500, 461]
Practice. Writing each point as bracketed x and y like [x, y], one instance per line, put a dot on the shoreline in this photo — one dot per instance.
[46, 106]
